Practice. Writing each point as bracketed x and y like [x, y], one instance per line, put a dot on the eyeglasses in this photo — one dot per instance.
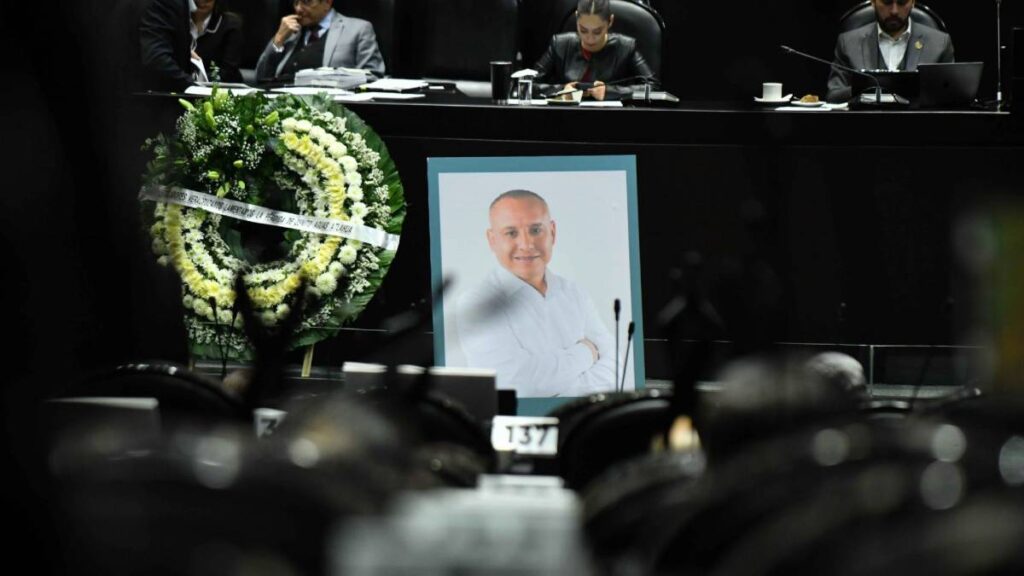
[308, 3]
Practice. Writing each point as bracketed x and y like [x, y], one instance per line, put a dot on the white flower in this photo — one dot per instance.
[203, 309]
[359, 209]
[163, 261]
[303, 126]
[224, 316]
[326, 283]
[268, 318]
[354, 178]
[338, 150]
[187, 301]
[348, 163]
[289, 124]
[355, 193]
[339, 125]
[282, 311]
[347, 255]
[317, 132]
[159, 247]
[356, 220]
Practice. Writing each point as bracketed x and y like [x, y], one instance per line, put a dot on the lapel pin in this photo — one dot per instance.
[918, 45]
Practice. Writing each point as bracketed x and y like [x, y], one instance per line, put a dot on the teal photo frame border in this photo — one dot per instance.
[617, 163]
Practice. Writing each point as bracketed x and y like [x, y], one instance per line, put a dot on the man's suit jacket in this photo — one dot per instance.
[350, 43]
[166, 45]
[858, 49]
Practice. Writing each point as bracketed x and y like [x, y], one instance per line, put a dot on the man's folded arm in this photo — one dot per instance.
[547, 373]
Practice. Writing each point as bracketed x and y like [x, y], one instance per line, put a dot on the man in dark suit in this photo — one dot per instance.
[166, 45]
[316, 35]
[893, 42]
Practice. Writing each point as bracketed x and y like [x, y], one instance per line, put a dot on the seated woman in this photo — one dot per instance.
[219, 41]
[592, 55]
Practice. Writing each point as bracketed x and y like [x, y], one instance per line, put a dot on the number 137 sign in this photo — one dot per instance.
[525, 435]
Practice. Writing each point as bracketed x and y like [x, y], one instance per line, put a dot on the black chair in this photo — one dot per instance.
[380, 13]
[863, 14]
[184, 396]
[455, 39]
[602, 430]
[260, 19]
[638, 21]
[220, 501]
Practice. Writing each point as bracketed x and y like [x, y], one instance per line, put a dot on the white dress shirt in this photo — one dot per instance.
[893, 49]
[532, 340]
[199, 69]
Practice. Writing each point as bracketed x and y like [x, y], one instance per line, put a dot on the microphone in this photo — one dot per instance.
[618, 308]
[878, 86]
[625, 361]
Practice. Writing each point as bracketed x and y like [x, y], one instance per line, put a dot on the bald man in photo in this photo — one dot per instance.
[538, 330]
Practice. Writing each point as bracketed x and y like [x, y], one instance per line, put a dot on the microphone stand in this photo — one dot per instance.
[625, 361]
[999, 55]
[878, 85]
[617, 308]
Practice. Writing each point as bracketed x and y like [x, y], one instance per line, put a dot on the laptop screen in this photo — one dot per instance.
[953, 84]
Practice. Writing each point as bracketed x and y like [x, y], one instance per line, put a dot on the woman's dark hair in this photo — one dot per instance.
[600, 8]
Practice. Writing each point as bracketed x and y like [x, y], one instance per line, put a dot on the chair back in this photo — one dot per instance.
[456, 39]
[260, 20]
[380, 13]
[864, 13]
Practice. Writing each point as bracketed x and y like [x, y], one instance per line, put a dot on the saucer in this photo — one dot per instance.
[784, 100]
[808, 104]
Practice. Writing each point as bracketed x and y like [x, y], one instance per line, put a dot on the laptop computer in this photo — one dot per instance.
[950, 85]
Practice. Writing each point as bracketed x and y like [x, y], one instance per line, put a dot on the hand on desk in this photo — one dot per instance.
[289, 26]
[596, 92]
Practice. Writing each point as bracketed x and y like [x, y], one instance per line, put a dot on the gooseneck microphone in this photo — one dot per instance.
[617, 307]
[878, 86]
[625, 361]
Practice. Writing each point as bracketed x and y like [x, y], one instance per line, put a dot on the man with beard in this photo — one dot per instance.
[893, 43]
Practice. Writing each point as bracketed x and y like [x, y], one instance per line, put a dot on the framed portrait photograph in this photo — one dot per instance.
[538, 254]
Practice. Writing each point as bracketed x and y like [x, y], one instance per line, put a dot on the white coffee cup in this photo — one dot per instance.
[771, 91]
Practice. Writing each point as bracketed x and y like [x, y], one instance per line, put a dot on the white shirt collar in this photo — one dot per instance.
[325, 24]
[903, 37]
[197, 31]
[509, 283]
